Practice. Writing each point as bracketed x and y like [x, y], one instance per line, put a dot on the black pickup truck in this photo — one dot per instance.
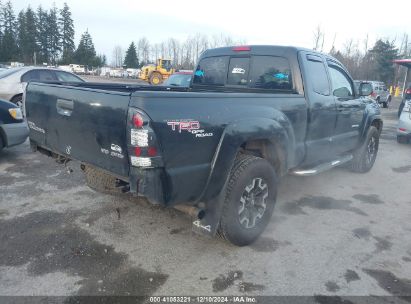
[251, 115]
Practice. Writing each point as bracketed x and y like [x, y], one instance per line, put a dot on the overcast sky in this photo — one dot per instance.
[285, 22]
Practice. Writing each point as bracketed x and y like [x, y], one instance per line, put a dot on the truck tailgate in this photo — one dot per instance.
[80, 123]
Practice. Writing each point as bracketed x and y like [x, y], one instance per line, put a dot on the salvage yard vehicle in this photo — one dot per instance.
[155, 74]
[380, 93]
[13, 128]
[251, 115]
[179, 79]
[13, 81]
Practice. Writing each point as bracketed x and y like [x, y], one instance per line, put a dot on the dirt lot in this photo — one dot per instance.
[337, 233]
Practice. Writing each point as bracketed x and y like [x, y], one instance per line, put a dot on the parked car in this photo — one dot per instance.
[252, 115]
[380, 93]
[14, 80]
[404, 121]
[13, 128]
[179, 79]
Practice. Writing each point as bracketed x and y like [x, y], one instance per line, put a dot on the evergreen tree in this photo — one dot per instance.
[9, 49]
[131, 59]
[29, 47]
[53, 41]
[67, 35]
[85, 53]
[21, 34]
[42, 35]
[382, 54]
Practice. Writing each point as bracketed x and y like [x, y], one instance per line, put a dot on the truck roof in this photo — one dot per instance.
[255, 49]
[278, 50]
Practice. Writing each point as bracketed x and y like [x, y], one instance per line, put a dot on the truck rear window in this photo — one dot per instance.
[212, 71]
[255, 72]
[269, 72]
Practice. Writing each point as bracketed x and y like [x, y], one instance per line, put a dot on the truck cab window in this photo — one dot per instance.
[340, 83]
[269, 72]
[238, 71]
[319, 83]
[211, 71]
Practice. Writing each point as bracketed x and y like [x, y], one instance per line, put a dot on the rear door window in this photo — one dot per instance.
[211, 71]
[44, 75]
[30, 76]
[238, 71]
[319, 79]
[63, 76]
[269, 72]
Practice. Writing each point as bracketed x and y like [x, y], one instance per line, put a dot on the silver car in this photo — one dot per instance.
[13, 81]
[404, 122]
[380, 93]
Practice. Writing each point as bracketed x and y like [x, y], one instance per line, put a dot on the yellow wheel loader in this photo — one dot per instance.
[155, 74]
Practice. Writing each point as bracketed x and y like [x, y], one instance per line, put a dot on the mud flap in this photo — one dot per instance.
[208, 225]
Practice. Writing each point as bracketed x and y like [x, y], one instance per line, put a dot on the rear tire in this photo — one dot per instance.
[1, 143]
[365, 155]
[249, 202]
[156, 79]
[100, 181]
[385, 104]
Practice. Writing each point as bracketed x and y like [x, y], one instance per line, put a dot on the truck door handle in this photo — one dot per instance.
[64, 107]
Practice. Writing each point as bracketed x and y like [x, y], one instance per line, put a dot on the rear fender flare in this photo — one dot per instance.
[372, 115]
[278, 132]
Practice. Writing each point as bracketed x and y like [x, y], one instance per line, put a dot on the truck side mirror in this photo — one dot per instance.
[365, 89]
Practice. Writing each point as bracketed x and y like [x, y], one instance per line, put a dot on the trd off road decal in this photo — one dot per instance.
[116, 151]
[191, 126]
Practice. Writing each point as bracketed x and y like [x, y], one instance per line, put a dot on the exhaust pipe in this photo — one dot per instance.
[191, 211]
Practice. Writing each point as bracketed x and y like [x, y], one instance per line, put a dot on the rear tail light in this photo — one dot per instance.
[402, 129]
[143, 148]
[152, 151]
[408, 91]
[137, 151]
[138, 120]
[373, 94]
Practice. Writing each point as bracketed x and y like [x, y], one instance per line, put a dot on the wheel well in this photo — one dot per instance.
[378, 124]
[2, 139]
[271, 151]
[15, 96]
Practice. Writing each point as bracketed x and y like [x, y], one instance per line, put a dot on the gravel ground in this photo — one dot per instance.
[337, 233]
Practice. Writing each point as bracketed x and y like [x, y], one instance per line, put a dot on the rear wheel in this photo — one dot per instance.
[156, 79]
[249, 202]
[1, 143]
[365, 155]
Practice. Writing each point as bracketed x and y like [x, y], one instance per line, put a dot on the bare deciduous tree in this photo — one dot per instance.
[318, 39]
[117, 59]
